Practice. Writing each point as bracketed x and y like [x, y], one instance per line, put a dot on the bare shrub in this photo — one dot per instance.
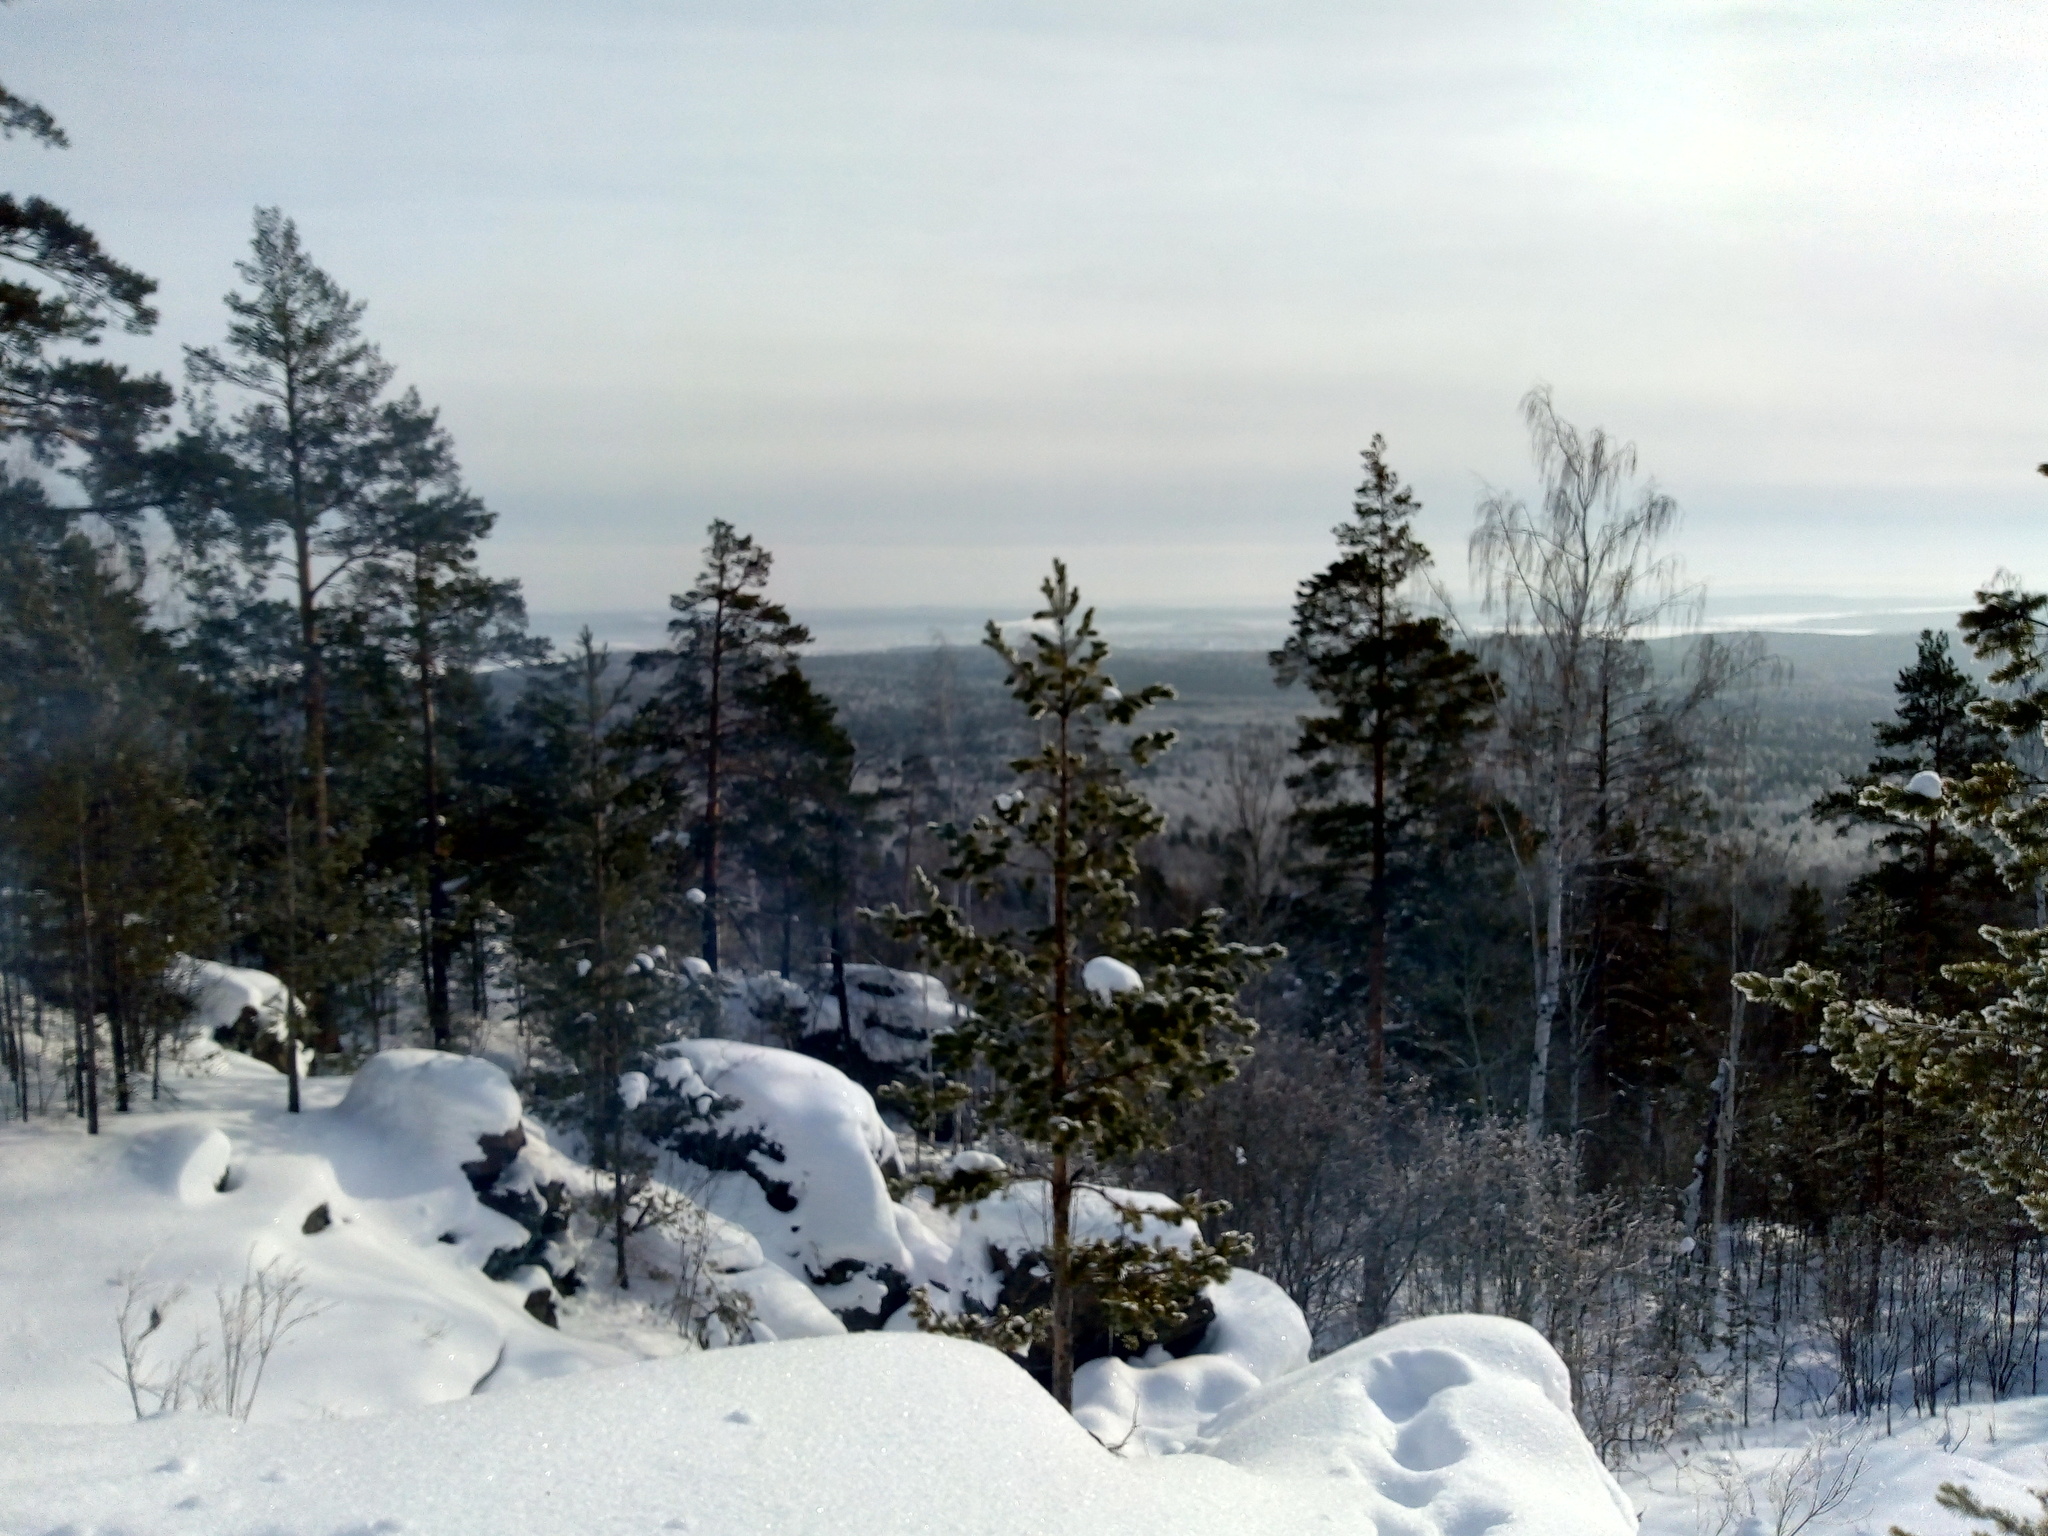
[221, 1372]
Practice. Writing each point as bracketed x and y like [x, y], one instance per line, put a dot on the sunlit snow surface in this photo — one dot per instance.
[425, 1399]
[883, 1433]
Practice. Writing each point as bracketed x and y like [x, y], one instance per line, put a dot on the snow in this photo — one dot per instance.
[1105, 978]
[906, 1434]
[218, 993]
[798, 1161]
[411, 1319]
[432, 1100]
[448, 1406]
[894, 1015]
[1926, 784]
[1774, 1474]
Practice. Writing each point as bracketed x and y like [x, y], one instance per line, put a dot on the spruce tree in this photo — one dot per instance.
[728, 643]
[1404, 706]
[1088, 1027]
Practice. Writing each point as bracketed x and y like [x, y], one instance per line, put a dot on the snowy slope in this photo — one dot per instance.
[875, 1433]
[422, 1395]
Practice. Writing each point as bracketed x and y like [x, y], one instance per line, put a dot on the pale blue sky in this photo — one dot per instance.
[924, 293]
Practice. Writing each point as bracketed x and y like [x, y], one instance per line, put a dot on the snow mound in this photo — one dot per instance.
[1157, 1405]
[431, 1100]
[189, 1161]
[877, 1433]
[1464, 1421]
[796, 1153]
[219, 993]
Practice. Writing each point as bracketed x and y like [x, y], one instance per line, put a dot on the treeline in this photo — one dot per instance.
[262, 705]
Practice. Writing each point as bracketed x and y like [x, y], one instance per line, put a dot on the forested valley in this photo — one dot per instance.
[1456, 896]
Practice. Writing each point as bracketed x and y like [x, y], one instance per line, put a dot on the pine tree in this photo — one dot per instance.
[797, 818]
[1981, 1068]
[1933, 886]
[309, 447]
[1405, 705]
[1084, 1061]
[60, 290]
[429, 609]
[728, 643]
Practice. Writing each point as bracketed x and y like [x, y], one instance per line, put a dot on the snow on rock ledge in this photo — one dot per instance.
[795, 1152]
[439, 1103]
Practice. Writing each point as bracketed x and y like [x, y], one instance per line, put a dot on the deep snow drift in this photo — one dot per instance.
[428, 1220]
[902, 1434]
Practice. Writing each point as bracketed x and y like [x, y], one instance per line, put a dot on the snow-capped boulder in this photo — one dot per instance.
[223, 995]
[994, 1258]
[796, 1153]
[239, 1008]
[189, 1161]
[892, 1018]
[460, 1115]
[453, 1109]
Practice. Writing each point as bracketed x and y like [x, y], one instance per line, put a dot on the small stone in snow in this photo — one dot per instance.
[741, 1416]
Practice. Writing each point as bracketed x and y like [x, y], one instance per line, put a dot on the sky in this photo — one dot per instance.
[924, 294]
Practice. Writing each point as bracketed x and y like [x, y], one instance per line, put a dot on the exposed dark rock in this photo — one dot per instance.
[319, 1219]
[895, 1294]
[540, 1302]
[505, 1185]
[735, 1152]
[499, 1152]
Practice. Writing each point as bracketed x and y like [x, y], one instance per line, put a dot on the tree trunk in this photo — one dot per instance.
[89, 1036]
[1376, 959]
[714, 743]
[436, 946]
[1550, 967]
[1062, 1191]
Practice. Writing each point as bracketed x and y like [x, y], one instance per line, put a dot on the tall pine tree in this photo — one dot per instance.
[1404, 705]
[728, 645]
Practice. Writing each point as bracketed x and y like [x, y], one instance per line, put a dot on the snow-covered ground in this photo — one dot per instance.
[413, 1393]
[1843, 1477]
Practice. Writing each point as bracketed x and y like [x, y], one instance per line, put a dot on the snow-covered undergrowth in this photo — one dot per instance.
[1841, 1476]
[440, 1297]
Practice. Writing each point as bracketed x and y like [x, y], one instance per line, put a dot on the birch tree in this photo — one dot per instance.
[1574, 583]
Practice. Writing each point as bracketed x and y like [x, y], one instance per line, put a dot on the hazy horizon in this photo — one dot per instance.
[922, 294]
